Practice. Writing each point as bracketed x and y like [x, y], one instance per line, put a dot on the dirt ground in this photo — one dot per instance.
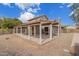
[12, 45]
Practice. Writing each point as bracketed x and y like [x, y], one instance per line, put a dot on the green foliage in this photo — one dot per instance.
[10, 23]
[64, 26]
[75, 15]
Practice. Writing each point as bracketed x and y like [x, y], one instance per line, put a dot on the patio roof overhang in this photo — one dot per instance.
[43, 23]
[47, 22]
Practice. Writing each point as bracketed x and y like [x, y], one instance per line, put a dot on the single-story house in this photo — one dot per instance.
[39, 29]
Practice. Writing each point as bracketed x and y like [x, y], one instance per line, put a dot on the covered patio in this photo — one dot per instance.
[38, 31]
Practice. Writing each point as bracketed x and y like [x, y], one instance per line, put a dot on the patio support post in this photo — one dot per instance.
[50, 31]
[21, 30]
[58, 30]
[16, 29]
[34, 30]
[29, 32]
[40, 33]
[59, 27]
[13, 30]
[25, 31]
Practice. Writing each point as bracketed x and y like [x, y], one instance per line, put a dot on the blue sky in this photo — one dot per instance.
[27, 11]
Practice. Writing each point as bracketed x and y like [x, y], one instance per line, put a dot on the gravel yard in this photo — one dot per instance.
[12, 45]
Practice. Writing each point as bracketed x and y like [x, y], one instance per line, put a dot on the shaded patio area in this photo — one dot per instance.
[35, 33]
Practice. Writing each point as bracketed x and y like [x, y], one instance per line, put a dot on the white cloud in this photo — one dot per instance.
[69, 5]
[63, 3]
[7, 4]
[26, 16]
[29, 13]
[30, 10]
[71, 13]
[24, 6]
[61, 6]
[27, 8]
[33, 10]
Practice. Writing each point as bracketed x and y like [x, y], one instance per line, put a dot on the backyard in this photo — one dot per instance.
[13, 45]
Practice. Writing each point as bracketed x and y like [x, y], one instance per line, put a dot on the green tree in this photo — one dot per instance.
[75, 13]
[10, 23]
